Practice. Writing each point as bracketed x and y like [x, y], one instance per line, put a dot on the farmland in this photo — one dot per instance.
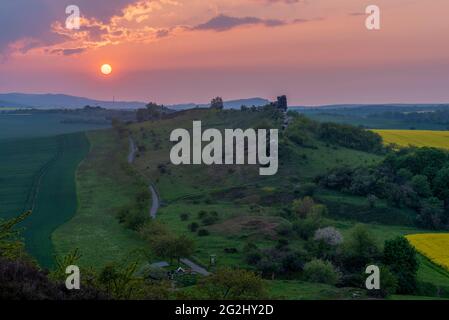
[27, 125]
[434, 246]
[38, 174]
[38, 159]
[417, 138]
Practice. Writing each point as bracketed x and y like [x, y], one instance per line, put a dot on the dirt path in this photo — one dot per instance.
[132, 151]
[155, 203]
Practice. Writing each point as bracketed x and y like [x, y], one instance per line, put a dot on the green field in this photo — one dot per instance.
[38, 175]
[417, 138]
[103, 187]
[39, 155]
[33, 125]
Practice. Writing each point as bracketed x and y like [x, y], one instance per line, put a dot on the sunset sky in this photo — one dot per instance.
[176, 51]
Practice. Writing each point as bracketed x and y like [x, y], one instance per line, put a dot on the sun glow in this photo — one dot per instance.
[106, 69]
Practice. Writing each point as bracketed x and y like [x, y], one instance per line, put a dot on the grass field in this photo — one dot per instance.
[417, 138]
[434, 246]
[103, 187]
[21, 162]
[38, 175]
[299, 290]
[32, 126]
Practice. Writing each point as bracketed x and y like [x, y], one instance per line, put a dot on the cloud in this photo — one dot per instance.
[130, 24]
[223, 23]
[106, 22]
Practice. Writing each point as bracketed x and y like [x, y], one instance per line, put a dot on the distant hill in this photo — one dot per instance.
[53, 101]
[231, 104]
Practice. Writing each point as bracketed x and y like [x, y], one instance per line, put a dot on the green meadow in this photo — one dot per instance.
[39, 156]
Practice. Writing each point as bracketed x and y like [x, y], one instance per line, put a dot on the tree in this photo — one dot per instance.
[168, 246]
[321, 271]
[388, 283]
[269, 266]
[217, 103]
[118, 281]
[441, 184]
[360, 249]
[11, 246]
[233, 284]
[421, 185]
[183, 247]
[431, 213]
[401, 259]
[302, 207]
[329, 235]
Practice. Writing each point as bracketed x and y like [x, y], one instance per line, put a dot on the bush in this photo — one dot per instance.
[203, 233]
[194, 226]
[321, 271]
[202, 214]
[184, 216]
[132, 219]
[360, 249]
[308, 189]
[285, 230]
[153, 229]
[401, 259]
[209, 220]
[305, 228]
[329, 235]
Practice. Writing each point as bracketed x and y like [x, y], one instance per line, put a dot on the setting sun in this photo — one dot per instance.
[106, 69]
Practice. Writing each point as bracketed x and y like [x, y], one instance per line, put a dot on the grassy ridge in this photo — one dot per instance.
[103, 187]
[417, 138]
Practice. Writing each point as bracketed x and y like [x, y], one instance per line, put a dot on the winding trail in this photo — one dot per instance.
[155, 203]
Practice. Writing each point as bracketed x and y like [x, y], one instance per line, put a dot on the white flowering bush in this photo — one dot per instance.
[329, 235]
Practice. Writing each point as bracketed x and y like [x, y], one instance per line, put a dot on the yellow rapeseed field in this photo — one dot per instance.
[417, 138]
[434, 246]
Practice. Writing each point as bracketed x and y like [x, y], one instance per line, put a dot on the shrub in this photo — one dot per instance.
[209, 220]
[153, 229]
[360, 249]
[194, 226]
[184, 216]
[132, 219]
[329, 235]
[308, 189]
[305, 228]
[202, 214]
[321, 271]
[285, 230]
[203, 233]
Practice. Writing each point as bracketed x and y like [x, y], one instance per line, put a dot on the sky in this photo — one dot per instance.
[177, 51]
